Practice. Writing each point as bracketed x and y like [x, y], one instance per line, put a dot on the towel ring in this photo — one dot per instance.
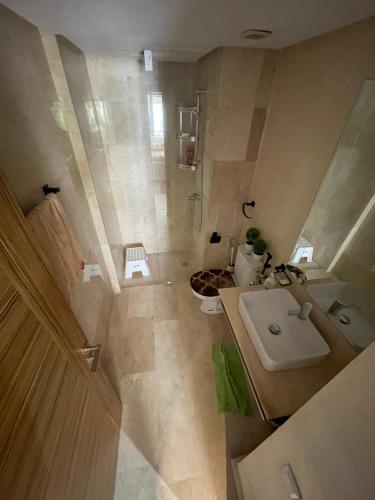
[247, 204]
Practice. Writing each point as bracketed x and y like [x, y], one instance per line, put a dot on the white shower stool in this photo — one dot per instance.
[136, 261]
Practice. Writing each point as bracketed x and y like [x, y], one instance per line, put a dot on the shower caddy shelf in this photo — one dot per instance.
[186, 137]
[186, 166]
[188, 134]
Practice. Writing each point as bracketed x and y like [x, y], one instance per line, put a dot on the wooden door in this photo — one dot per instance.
[59, 422]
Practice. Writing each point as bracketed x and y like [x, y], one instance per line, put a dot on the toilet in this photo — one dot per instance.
[205, 285]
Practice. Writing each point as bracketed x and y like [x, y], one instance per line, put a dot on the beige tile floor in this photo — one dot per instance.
[172, 443]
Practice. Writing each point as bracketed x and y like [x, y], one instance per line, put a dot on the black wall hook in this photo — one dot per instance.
[247, 204]
[48, 190]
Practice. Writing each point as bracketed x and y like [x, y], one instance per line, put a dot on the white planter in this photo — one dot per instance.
[249, 249]
[258, 258]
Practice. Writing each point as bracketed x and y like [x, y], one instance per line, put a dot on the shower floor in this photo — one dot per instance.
[164, 266]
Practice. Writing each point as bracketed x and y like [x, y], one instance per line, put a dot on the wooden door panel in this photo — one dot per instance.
[83, 452]
[16, 340]
[12, 316]
[54, 433]
[107, 443]
[47, 436]
[26, 445]
[18, 377]
[23, 264]
[59, 422]
[63, 463]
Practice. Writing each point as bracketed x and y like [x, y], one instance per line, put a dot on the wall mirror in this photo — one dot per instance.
[336, 247]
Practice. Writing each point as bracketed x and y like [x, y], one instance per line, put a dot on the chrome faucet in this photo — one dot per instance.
[302, 313]
[337, 306]
[258, 280]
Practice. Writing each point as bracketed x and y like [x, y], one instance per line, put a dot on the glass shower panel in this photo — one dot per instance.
[136, 113]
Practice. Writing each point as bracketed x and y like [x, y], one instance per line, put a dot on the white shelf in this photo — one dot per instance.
[185, 166]
[187, 109]
[188, 133]
[186, 137]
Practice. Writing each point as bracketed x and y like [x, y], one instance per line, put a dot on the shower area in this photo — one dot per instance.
[130, 122]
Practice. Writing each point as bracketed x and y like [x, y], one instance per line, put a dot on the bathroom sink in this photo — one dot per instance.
[298, 343]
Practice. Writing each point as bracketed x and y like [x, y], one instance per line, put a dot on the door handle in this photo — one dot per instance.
[290, 482]
[91, 355]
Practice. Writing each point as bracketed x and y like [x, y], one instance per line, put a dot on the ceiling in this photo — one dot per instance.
[183, 30]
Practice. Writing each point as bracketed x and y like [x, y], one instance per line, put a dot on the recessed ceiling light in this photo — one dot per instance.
[256, 34]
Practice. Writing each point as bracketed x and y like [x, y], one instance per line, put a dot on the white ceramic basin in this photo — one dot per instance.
[299, 343]
[360, 330]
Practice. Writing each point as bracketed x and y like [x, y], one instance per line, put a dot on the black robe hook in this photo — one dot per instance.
[48, 190]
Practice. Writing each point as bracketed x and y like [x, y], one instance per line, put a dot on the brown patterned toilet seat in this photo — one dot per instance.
[208, 282]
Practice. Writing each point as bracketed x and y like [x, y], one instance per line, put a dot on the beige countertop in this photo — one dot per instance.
[281, 393]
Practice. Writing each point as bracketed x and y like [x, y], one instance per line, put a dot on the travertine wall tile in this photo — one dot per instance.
[239, 94]
[240, 73]
[267, 75]
[225, 218]
[217, 254]
[226, 182]
[232, 133]
[256, 131]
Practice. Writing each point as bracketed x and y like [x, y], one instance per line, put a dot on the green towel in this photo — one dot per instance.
[232, 391]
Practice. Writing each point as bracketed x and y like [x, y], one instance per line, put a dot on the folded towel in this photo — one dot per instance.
[232, 391]
[58, 243]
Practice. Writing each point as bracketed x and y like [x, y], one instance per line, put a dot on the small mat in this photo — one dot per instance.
[208, 282]
[232, 391]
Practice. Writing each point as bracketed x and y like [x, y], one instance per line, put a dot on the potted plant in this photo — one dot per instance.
[252, 234]
[259, 249]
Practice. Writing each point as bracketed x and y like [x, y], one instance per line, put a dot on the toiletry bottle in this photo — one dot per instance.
[270, 282]
[190, 156]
